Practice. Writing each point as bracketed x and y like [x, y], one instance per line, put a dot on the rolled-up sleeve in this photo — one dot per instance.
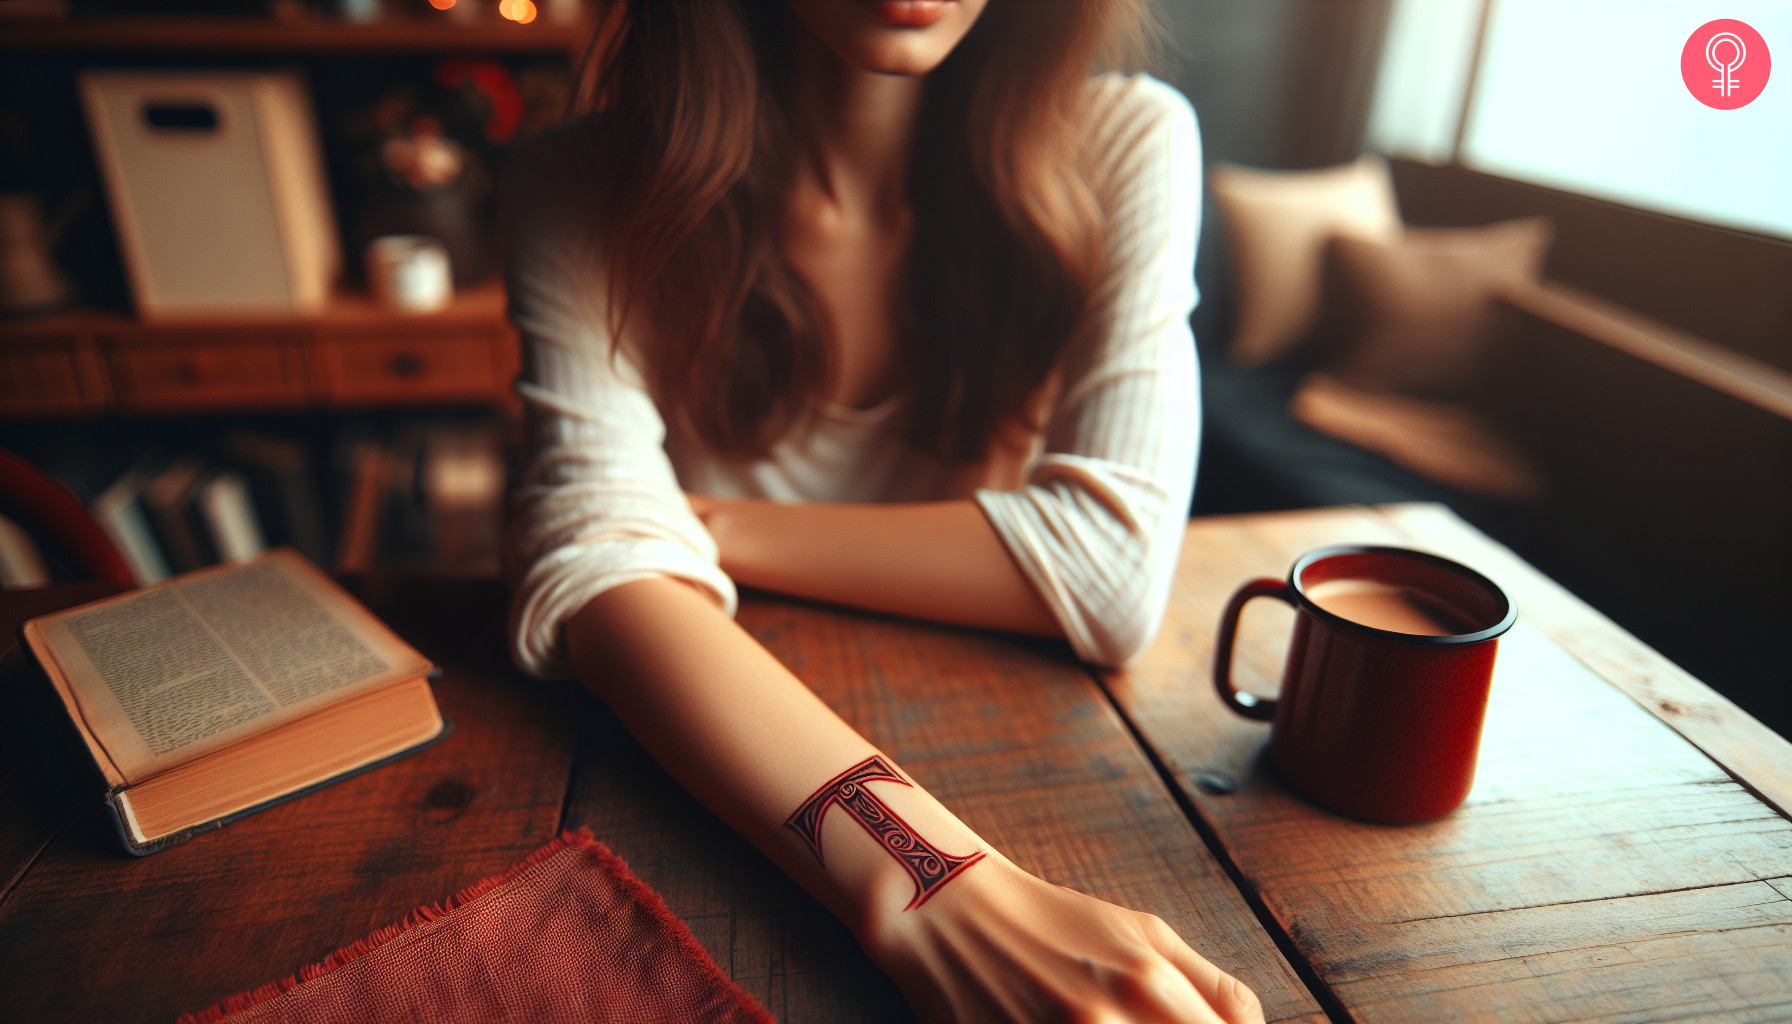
[598, 504]
[1097, 528]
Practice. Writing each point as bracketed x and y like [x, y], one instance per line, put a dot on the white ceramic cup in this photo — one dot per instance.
[409, 272]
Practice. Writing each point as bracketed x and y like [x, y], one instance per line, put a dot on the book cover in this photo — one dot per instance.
[119, 511]
[282, 485]
[230, 521]
[168, 501]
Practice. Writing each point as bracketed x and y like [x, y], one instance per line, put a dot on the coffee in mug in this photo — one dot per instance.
[1391, 607]
[1385, 688]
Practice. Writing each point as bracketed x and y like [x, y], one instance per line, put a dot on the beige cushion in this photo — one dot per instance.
[1278, 223]
[1413, 314]
[1441, 441]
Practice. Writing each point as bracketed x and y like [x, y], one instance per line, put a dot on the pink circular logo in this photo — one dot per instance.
[1725, 64]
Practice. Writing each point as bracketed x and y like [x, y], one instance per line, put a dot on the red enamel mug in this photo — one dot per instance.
[1385, 689]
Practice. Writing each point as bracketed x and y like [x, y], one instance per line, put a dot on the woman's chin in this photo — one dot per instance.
[898, 57]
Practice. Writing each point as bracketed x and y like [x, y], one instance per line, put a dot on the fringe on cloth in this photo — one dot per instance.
[580, 839]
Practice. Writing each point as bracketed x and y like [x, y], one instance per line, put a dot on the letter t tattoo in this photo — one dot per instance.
[924, 862]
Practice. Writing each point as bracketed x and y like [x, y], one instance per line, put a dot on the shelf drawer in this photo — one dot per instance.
[43, 380]
[407, 369]
[181, 376]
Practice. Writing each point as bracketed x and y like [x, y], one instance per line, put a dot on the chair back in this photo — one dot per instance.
[56, 518]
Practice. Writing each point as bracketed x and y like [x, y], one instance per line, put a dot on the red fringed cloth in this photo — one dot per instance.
[568, 934]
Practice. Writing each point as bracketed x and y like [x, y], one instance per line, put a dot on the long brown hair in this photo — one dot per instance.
[1007, 261]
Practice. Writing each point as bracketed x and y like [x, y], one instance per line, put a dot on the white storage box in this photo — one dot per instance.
[217, 187]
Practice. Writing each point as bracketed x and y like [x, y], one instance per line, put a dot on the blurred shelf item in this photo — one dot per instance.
[355, 354]
[307, 35]
[217, 188]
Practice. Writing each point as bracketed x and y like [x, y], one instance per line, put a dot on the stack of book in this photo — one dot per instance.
[170, 514]
[425, 495]
[417, 493]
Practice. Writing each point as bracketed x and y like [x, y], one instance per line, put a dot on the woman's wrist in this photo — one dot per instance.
[894, 932]
[890, 848]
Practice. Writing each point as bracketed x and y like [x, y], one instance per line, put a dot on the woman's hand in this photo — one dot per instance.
[999, 945]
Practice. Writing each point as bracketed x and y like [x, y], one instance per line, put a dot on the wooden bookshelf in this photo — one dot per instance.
[355, 354]
[397, 411]
[301, 35]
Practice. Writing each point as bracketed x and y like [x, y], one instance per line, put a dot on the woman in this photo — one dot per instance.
[884, 303]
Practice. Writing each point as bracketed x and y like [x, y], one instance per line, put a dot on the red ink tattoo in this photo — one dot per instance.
[925, 863]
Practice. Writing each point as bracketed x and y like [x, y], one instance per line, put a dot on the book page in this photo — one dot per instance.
[163, 675]
[294, 647]
[175, 683]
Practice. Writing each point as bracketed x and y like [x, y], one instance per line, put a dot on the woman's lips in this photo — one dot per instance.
[909, 13]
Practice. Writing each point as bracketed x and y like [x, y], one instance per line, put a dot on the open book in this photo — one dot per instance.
[217, 693]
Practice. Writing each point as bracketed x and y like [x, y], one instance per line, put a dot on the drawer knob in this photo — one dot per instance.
[407, 364]
[195, 370]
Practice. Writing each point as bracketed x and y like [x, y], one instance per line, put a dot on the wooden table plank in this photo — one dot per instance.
[1755, 754]
[33, 799]
[1602, 868]
[1014, 737]
[91, 934]
[762, 930]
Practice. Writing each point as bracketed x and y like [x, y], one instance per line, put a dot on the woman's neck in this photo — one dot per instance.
[857, 130]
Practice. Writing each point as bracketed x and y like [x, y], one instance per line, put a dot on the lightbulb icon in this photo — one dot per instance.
[1725, 83]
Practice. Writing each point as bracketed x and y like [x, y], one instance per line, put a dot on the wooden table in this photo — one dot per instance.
[1624, 855]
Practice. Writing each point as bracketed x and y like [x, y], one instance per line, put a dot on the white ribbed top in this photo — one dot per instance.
[1093, 512]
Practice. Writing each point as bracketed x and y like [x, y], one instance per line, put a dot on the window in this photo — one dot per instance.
[1585, 96]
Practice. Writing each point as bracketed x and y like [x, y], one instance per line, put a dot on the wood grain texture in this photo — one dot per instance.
[353, 352]
[90, 934]
[1759, 757]
[35, 796]
[1602, 868]
[1012, 736]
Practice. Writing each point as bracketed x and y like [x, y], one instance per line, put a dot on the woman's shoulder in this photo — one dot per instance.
[1126, 113]
[1120, 103]
[1120, 95]
[1138, 133]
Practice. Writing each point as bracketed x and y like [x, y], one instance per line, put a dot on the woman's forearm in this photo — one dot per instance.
[966, 934]
[753, 743]
[935, 560]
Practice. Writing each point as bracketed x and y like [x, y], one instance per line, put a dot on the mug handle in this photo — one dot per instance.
[1249, 705]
